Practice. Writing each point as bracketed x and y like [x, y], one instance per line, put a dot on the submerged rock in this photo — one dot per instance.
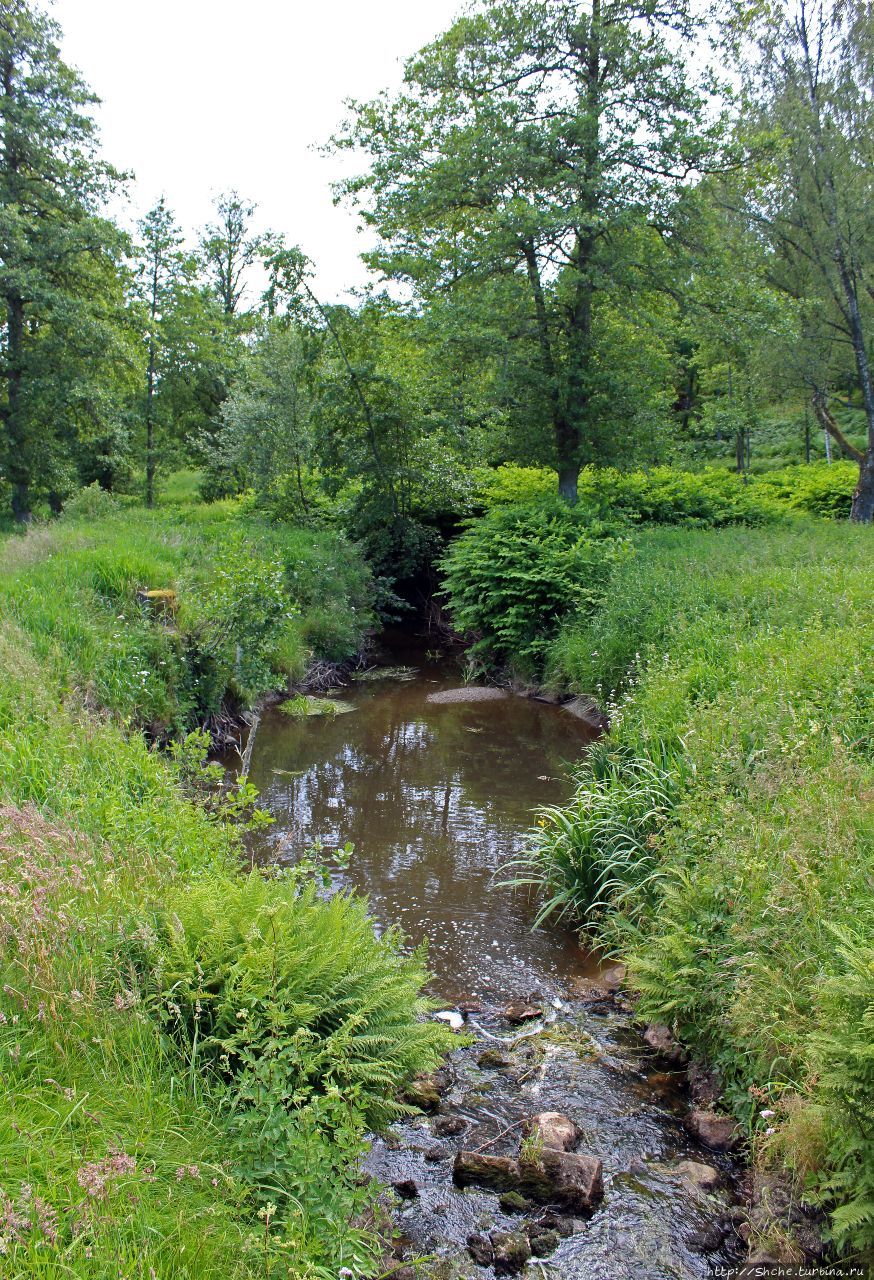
[552, 1129]
[716, 1131]
[698, 1177]
[406, 1188]
[449, 1126]
[574, 1182]
[493, 1059]
[481, 1249]
[544, 1243]
[512, 1202]
[519, 1011]
[469, 693]
[422, 1093]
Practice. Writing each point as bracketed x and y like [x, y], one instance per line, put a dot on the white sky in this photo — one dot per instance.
[202, 96]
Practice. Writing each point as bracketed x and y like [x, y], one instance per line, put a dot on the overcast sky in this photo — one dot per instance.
[201, 96]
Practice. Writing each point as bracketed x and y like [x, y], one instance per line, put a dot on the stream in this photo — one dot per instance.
[436, 795]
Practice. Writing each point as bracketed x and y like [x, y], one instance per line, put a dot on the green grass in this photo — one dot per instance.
[133, 1143]
[739, 662]
[253, 604]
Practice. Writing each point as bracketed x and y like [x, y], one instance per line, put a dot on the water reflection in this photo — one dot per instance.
[435, 798]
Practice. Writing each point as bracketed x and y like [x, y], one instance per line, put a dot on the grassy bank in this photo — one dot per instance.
[189, 1055]
[245, 605]
[723, 839]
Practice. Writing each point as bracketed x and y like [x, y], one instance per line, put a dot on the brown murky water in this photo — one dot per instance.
[435, 798]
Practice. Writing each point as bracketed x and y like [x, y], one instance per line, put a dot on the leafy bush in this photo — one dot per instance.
[90, 503]
[517, 572]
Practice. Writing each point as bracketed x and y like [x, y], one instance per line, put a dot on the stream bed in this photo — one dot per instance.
[436, 791]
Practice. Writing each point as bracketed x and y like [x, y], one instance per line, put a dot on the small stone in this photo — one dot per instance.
[661, 1040]
[512, 1202]
[511, 1252]
[435, 1153]
[698, 1177]
[449, 1126]
[544, 1244]
[552, 1129]
[452, 1018]
[519, 1011]
[612, 977]
[706, 1239]
[422, 1093]
[480, 1248]
[553, 1222]
[406, 1188]
[715, 1131]
[493, 1059]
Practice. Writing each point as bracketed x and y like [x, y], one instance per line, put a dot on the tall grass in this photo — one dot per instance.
[743, 658]
[133, 1141]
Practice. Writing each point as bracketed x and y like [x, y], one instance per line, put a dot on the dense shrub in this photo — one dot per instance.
[820, 489]
[516, 573]
[703, 499]
[249, 606]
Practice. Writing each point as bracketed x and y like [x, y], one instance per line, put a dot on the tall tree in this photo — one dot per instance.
[52, 185]
[534, 139]
[163, 268]
[808, 67]
[229, 249]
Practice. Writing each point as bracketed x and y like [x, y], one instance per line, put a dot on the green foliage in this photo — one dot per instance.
[268, 983]
[819, 489]
[250, 605]
[845, 1056]
[592, 853]
[519, 571]
[746, 654]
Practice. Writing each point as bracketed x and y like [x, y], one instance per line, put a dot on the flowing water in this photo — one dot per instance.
[436, 796]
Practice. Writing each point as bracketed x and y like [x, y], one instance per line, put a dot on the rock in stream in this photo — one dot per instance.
[558, 1151]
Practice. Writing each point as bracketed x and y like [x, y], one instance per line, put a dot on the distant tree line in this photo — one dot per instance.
[591, 247]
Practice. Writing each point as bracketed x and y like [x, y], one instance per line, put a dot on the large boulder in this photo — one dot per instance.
[574, 1182]
[552, 1129]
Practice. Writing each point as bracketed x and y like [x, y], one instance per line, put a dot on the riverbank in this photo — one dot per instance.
[723, 841]
[186, 1090]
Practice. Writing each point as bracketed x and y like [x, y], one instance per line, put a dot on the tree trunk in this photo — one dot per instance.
[862, 508]
[568, 481]
[18, 460]
[150, 429]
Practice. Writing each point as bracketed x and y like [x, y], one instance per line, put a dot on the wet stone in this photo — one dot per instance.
[511, 1251]
[552, 1129]
[519, 1011]
[575, 1182]
[406, 1188]
[493, 1060]
[422, 1093]
[449, 1126]
[698, 1177]
[512, 1202]
[544, 1243]
[716, 1131]
[708, 1238]
[660, 1039]
[435, 1154]
[481, 1249]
